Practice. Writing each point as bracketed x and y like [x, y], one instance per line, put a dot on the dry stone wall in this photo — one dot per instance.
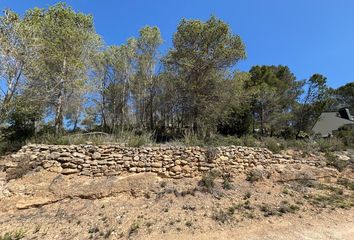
[174, 162]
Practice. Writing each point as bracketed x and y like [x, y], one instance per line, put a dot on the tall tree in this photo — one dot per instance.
[13, 57]
[275, 92]
[236, 116]
[64, 41]
[114, 70]
[313, 103]
[202, 53]
[345, 96]
[144, 86]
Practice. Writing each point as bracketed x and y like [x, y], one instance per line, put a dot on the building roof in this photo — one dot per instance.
[328, 122]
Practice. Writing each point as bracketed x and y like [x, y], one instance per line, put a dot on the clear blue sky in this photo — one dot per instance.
[309, 36]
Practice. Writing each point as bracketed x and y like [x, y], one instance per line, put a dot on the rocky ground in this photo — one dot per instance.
[284, 202]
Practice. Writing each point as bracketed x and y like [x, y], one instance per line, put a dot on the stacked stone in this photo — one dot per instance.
[174, 162]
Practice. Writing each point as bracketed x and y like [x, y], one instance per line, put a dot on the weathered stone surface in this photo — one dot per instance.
[96, 155]
[69, 171]
[169, 161]
[177, 168]
[156, 165]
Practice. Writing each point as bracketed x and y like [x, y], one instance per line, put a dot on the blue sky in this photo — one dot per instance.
[309, 36]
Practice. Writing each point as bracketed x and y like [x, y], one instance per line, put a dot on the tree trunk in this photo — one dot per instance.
[59, 111]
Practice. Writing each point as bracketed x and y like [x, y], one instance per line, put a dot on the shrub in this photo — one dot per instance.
[330, 144]
[8, 147]
[249, 141]
[138, 140]
[346, 135]
[332, 160]
[189, 224]
[133, 228]
[247, 195]
[333, 200]
[227, 183]
[23, 167]
[94, 229]
[210, 154]
[222, 216]
[190, 139]
[285, 207]
[346, 183]
[14, 235]
[267, 210]
[273, 144]
[208, 181]
[254, 175]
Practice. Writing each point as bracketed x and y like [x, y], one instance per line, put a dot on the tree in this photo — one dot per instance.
[64, 43]
[198, 63]
[274, 91]
[13, 57]
[114, 70]
[345, 96]
[236, 115]
[313, 103]
[144, 84]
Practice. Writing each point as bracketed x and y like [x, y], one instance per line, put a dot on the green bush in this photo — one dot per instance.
[330, 144]
[133, 228]
[138, 140]
[208, 181]
[210, 154]
[24, 166]
[273, 144]
[9, 147]
[14, 235]
[332, 160]
[254, 175]
[346, 135]
[222, 216]
[97, 138]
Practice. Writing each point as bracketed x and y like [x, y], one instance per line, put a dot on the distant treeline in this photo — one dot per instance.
[58, 76]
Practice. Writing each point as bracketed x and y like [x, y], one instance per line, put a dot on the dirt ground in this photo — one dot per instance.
[287, 202]
[335, 226]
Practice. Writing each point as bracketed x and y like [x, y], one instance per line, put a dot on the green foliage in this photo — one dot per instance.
[133, 228]
[332, 200]
[138, 140]
[208, 181]
[330, 144]
[222, 216]
[14, 235]
[70, 40]
[236, 122]
[346, 135]
[273, 144]
[274, 91]
[345, 96]
[254, 175]
[332, 160]
[202, 52]
[7, 147]
[227, 182]
[55, 71]
[347, 183]
[210, 154]
[316, 99]
[97, 138]
[23, 167]
[14, 55]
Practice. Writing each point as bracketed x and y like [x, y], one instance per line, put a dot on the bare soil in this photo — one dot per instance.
[311, 204]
